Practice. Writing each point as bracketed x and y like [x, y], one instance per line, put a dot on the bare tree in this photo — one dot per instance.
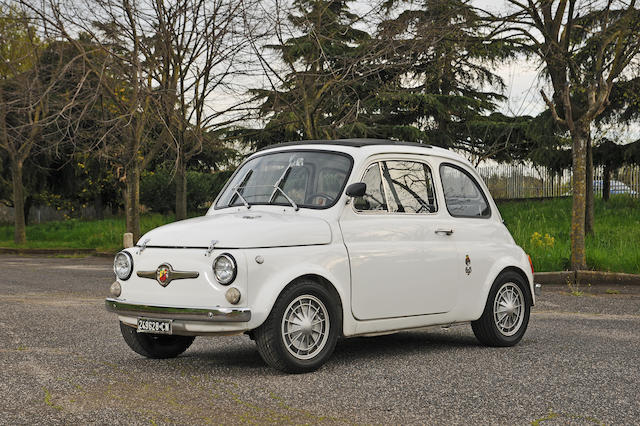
[116, 34]
[199, 46]
[159, 64]
[586, 46]
[35, 96]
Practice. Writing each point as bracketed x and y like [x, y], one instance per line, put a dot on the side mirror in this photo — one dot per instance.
[356, 189]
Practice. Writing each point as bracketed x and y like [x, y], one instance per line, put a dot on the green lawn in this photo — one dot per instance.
[103, 235]
[614, 247]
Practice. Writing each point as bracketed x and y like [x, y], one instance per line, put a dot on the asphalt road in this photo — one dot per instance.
[62, 360]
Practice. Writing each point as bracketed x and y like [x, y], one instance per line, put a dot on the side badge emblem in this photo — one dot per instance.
[467, 262]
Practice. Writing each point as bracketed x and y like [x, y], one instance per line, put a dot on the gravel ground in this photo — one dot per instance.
[62, 360]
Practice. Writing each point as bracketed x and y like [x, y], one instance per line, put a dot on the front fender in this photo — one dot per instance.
[280, 266]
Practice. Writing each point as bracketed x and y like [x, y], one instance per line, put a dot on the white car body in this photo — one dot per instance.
[391, 271]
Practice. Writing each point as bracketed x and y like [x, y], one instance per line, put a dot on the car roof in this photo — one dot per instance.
[367, 147]
[355, 142]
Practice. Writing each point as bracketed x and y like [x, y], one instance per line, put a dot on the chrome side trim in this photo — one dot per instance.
[217, 314]
[173, 275]
[147, 274]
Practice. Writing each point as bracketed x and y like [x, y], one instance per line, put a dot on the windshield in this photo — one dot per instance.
[294, 178]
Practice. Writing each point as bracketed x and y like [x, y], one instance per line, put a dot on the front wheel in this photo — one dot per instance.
[156, 346]
[301, 331]
[506, 314]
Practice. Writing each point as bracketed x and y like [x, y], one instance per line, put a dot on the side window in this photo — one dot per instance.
[411, 187]
[374, 199]
[463, 196]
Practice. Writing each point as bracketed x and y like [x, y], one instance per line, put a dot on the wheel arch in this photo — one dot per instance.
[485, 327]
[320, 280]
[271, 336]
[265, 290]
[512, 262]
[523, 275]
[323, 281]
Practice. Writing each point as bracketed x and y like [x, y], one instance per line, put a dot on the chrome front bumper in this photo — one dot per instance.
[189, 314]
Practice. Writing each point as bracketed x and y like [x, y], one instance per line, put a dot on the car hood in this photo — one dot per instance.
[241, 230]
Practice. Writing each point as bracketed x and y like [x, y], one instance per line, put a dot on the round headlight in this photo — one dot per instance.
[123, 265]
[224, 268]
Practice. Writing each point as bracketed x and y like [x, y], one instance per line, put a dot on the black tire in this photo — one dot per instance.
[271, 338]
[156, 346]
[487, 330]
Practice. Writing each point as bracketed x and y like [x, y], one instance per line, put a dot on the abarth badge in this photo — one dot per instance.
[164, 274]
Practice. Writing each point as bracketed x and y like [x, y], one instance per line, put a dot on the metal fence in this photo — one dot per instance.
[518, 181]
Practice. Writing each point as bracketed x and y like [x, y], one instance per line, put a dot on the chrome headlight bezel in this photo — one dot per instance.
[129, 270]
[234, 270]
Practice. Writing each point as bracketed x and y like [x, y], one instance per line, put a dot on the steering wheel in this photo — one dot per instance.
[328, 198]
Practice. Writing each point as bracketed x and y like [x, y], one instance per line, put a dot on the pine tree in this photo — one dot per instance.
[318, 91]
[437, 86]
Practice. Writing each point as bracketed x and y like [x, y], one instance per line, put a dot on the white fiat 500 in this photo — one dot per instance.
[316, 240]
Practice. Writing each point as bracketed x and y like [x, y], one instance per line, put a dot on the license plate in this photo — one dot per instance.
[155, 326]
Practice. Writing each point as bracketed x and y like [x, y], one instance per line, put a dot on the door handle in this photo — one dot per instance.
[444, 231]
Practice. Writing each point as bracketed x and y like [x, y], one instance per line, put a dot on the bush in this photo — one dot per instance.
[158, 189]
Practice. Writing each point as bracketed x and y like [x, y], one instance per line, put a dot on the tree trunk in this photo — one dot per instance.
[181, 190]
[606, 182]
[579, 154]
[98, 206]
[20, 233]
[132, 202]
[588, 224]
[28, 203]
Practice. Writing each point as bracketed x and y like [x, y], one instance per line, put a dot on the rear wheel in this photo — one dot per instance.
[301, 331]
[506, 314]
[156, 346]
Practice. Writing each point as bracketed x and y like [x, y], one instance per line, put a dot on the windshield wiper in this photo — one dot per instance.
[293, 203]
[282, 177]
[236, 192]
[244, 201]
[277, 188]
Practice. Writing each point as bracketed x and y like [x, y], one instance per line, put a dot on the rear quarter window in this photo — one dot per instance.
[462, 194]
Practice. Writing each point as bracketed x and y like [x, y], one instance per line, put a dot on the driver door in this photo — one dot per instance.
[400, 265]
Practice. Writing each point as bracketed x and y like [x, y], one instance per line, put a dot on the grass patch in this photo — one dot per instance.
[48, 401]
[103, 235]
[541, 228]
[613, 247]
